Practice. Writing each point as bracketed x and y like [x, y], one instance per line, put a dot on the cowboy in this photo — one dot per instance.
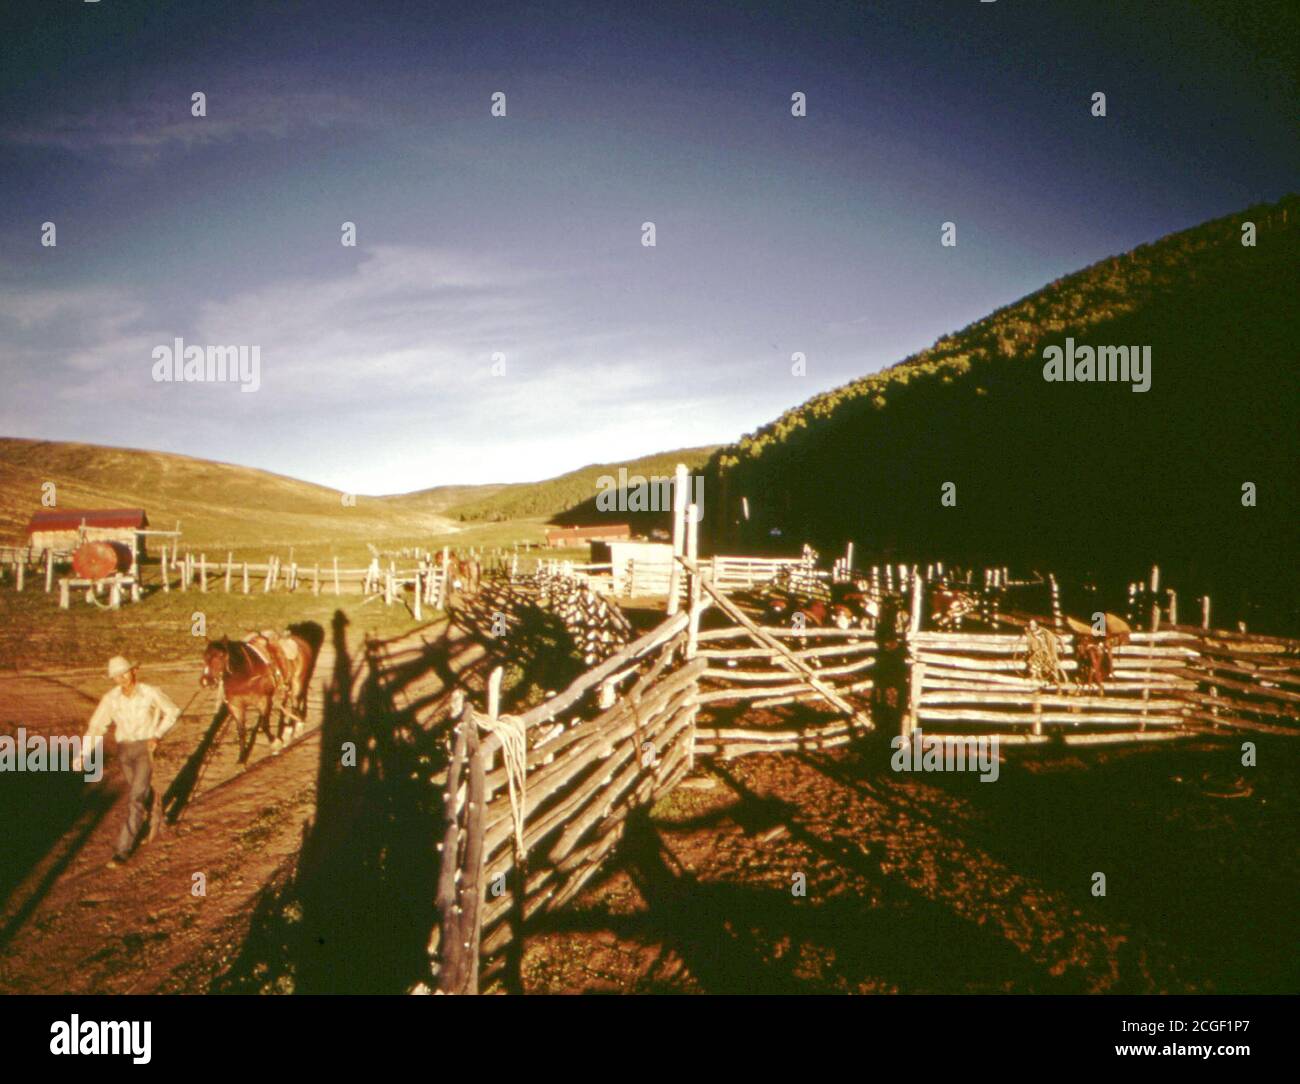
[141, 715]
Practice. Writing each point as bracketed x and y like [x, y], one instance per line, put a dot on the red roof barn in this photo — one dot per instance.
[576, 536]
[60, 529]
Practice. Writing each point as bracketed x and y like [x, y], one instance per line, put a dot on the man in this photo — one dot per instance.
[141, 714]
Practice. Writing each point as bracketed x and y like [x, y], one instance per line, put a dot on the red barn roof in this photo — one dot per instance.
[69, 519]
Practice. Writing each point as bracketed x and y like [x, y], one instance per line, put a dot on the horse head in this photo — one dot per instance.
[216, 661]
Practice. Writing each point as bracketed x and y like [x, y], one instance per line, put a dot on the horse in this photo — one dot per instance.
[1093, 652]
[293, 658]
[949, 605]
[250, 678]
[465, 572]
[852, 606]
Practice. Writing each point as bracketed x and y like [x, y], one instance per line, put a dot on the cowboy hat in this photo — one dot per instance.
[118, 665]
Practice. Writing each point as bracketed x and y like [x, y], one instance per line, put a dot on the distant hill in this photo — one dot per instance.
[441, 498]
[1085, 477]
[223, 506]
[220, 505]
[570, 498]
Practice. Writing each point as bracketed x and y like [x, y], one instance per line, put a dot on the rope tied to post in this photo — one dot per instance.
[513, 735]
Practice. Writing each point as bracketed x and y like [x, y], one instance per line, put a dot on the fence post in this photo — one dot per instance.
[1205, 611]
[679, 528]
[417, 609]
[337, 590]
[230, 568]
[49, 570]
[245, 577]
[162, 567]
[442, 582]
[203, 573]
[916, 686]
[692, 553]
[914, 621]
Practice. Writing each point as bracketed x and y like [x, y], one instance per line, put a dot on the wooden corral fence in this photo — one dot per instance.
[744, 672]
[1164, 685]
[536, 802]
[427, 583]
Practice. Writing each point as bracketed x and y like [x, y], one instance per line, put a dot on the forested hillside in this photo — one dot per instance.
[1081, 477]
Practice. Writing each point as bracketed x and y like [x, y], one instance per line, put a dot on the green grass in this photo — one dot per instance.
[36, 635]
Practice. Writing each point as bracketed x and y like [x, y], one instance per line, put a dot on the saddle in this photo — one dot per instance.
[276, 651]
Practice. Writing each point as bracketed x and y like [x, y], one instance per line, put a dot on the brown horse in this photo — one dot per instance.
[294, 659]
[247, 680]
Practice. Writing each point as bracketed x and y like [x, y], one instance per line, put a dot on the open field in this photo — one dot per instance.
[36, 635]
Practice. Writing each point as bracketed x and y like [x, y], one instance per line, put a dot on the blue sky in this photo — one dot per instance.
[521, 235]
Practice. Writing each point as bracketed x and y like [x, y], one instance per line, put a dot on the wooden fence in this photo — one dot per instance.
[536, 802]
[1164, 685]
[425, 583]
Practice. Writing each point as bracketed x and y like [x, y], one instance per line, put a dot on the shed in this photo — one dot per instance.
[652, 562]
[61, 529]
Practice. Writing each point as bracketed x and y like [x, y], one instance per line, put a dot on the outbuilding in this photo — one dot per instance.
[560, 537]
[62, 529]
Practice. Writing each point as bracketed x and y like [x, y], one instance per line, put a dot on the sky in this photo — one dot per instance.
[499, 317]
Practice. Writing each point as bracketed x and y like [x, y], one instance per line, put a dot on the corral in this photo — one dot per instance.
[533, 794]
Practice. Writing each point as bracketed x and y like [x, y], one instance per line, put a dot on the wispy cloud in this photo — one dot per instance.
[399, 351]
[142, 129]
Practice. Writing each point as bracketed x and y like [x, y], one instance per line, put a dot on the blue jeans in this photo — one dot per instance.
[137, 767]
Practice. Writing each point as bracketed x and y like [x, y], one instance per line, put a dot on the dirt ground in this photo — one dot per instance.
[911, 883]
[943, 884]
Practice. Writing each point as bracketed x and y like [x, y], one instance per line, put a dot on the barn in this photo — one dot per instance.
[559, 537]
[61, 529]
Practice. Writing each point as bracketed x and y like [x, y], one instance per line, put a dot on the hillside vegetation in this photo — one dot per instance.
[1086, 477]
[575, 490]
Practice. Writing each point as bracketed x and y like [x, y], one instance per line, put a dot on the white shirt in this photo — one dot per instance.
[148, 713]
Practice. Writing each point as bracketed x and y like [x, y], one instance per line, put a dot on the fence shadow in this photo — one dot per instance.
[355, 915]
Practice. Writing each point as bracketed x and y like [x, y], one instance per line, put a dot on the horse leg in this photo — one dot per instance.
[299, 704]
[238, 713]
[265, 712]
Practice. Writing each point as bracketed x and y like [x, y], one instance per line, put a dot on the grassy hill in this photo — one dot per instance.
[1085, 477]
[220, 505]
[571, 492]
[252, 512]
[440, 499]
